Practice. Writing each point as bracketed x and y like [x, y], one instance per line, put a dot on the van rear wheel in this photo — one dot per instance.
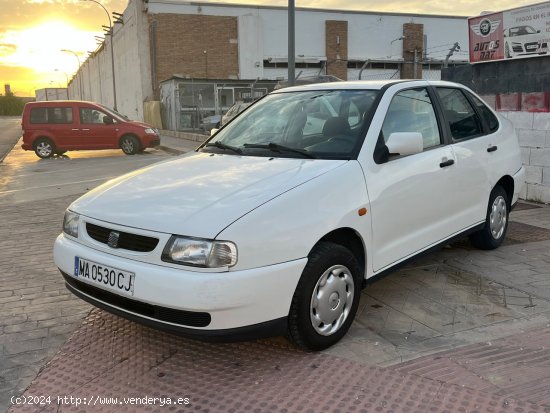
[130, 145]
[44, 148]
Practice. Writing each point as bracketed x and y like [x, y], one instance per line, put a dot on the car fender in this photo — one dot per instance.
[287, 227]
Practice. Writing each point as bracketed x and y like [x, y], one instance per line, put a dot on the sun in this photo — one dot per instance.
[39, 47]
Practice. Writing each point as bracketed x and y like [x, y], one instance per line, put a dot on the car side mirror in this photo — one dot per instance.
[405, 143]
[107, 120]
[213, 131]
[538, 31]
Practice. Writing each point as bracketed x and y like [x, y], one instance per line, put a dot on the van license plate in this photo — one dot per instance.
[107, 277]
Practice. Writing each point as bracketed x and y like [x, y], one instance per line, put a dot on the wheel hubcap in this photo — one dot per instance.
[331, 300]
[498, 217]
[44, 149]
[127, 145]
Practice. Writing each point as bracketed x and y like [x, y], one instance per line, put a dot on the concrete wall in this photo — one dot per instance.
[132, 67]
[533, 131]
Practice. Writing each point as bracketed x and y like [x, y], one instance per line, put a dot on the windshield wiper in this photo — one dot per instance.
[221, 145]
[280, 148]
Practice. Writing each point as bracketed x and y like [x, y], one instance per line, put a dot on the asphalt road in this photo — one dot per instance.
[10, 132]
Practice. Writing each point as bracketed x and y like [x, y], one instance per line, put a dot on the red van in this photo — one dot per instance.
[56, 127]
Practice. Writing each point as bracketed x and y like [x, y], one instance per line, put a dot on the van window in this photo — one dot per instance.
[51, 115]
[89, 115]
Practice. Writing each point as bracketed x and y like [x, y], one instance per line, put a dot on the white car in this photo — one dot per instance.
[524, 40]
[267, 230]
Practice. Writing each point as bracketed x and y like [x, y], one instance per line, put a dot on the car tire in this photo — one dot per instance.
[332, 273]
[130, 145]
[496, 222]
[44, 148]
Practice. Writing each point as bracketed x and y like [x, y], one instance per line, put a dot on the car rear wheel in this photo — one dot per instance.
[326, 298]
[44, 148]
[496, 221]
[130, 145]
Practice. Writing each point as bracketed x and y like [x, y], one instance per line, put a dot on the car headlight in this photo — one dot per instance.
[70, 223]
[200, 252]
[150, 131]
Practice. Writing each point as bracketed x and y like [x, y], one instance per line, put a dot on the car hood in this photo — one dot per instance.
[198, 194]
[137, 123]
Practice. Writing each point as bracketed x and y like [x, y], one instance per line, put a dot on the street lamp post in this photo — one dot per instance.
[111, 32]
[78, 74]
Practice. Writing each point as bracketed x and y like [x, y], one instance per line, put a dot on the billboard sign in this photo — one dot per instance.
[512, 34]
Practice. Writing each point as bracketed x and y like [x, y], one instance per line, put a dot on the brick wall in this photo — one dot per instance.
[413, 39]
[336, 47]
[182, 39]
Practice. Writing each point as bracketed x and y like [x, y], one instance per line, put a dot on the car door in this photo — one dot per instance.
[472, 149]
[60, 124]
[412, 197]
[96, 132]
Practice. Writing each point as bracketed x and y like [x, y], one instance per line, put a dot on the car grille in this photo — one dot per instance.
[170, 315]
[126, 240]
[517, 49]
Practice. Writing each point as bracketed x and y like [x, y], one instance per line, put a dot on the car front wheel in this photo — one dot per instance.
[326, 298]
[496, 222]
[130, 145]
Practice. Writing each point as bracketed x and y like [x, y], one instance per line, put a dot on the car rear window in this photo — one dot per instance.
[52, 115]
[489, 117]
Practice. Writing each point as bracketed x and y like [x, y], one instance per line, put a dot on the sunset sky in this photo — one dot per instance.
[33, 32]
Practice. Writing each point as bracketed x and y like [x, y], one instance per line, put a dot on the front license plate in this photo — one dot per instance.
[104, 275]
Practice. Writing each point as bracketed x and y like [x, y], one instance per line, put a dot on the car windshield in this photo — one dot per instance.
[324, 124]
[114, 113]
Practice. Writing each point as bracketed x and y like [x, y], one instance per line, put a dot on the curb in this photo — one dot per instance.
[2, 157]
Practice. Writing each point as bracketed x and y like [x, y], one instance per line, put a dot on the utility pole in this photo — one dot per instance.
[453, 49]
[291, 42]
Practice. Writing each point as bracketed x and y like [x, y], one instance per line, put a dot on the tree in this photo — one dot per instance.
[11, 105]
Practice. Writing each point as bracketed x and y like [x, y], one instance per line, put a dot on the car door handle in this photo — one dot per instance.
[75, 129]
[492, 148]
[448, 162]
[85, 129]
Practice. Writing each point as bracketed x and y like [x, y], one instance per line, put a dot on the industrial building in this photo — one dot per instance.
[226, 52]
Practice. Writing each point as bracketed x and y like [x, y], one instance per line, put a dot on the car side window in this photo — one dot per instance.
[51, 115]
[459, 113]
[412, 111]
[93, 116]
[489, 117]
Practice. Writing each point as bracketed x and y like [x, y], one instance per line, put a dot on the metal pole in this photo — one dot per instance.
[415, 64]
[291, 42]
[113, 67]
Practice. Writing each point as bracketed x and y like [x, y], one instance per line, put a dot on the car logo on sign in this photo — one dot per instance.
[113, 239]
[485, 27]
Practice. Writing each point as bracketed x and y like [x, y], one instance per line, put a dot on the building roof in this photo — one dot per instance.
[306, 9]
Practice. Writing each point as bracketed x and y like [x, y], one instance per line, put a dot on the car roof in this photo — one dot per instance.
[365, 84]
[62, 102]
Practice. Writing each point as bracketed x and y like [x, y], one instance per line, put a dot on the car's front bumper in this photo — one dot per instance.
[232, 300]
